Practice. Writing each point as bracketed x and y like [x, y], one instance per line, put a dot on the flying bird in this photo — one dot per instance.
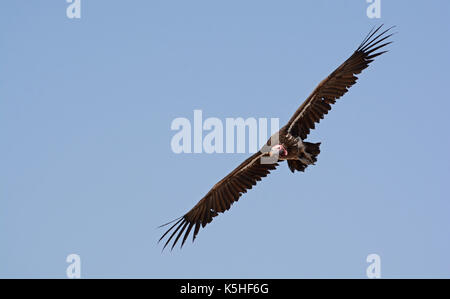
[288, 144]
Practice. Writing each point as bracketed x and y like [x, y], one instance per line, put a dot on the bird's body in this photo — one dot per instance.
[288, 144]
[291, 148]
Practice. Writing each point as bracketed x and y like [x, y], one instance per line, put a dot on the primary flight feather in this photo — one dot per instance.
[287, 144]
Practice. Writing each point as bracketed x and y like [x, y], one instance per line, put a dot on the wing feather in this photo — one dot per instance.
[337, 84]
[219, 199]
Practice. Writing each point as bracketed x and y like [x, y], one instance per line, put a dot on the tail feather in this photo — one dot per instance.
[311, 148]
[296, 165]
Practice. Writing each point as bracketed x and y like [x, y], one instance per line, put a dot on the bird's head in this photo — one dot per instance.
[278, 150]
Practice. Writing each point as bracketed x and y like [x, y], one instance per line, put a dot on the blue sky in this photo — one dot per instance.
[87, 168]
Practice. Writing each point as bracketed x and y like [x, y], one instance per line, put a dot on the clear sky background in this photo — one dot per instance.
[87, 168]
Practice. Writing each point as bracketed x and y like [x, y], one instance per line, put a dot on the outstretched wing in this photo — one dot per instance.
[220, 198]
[336, 84]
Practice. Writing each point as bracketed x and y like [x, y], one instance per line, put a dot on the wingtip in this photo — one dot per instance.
[165, 224]
[170, 229]
[372, 39]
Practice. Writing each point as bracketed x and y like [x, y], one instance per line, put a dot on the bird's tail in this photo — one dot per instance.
[312, 151]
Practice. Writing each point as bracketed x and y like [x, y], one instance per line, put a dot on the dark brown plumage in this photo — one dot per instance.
[299, 153]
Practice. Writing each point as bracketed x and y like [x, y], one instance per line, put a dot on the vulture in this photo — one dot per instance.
[288, 144]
